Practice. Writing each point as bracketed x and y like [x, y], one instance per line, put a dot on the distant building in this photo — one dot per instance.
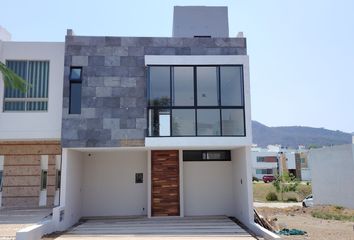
[332, 170]
[275, 160]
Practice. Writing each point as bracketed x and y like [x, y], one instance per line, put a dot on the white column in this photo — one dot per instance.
[149, 183]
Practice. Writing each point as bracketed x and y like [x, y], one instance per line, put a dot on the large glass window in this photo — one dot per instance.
[231, 86]
[195, 101]
[183, 86]
[207, 86]
[159, 86]
[183, 122]
[159, 122]
[208, 122]
[35, 98]
[232, 122]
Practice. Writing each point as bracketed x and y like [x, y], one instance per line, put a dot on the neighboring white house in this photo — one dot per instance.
[30, 124]
[264, 163]
[332, 170]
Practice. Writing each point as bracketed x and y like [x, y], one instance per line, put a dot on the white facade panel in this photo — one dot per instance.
[34, 125]
[208, 188]
[108, 186]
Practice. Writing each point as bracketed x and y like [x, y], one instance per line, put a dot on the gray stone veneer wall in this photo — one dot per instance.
[113, 108]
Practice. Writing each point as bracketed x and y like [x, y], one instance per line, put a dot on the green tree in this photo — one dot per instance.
[285, 183]
[11, 79]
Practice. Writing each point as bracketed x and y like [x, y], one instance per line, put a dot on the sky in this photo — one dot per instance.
[301, 52]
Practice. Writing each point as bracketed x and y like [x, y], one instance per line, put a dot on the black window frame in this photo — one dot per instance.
[203, 155]
[1, 179]
[74, 81]
[195, 106]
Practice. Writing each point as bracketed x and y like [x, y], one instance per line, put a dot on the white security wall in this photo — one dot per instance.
[332, 171]
[242, 185]
[34, 125]
[206, 142]
[70, 192]
[109, 187]
[208, 188]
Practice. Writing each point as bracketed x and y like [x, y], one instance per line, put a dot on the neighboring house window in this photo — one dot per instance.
[44, 174]
[206, 155]
[0, 181]
[264, 171]
[75, 79]
[267, 159]
[196, 101]
[36, 74]
[302, 160]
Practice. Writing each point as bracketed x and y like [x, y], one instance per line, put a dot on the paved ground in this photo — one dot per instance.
[161, 228]
[12, 220]
[277, 204]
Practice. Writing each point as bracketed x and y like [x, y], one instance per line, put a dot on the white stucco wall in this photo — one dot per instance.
[332, 170]
[208, 188]
[242, 185]
[34, 125]
[109, 187]
[70, 192]
[291, 163]
[206, 142]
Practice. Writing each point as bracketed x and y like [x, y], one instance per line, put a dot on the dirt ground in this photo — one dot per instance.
[300, 218]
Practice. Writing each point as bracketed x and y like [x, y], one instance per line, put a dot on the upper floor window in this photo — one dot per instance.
[36, 74]
[75, 79]
[196, 101]
[270, 159]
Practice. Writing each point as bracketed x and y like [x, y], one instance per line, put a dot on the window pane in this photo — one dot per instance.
[183, 86]
[159, 122]
[14, 106]
[208, 122]
[75, 98]
[183, 122]
[159, 86]
[20, 68]
[207, 86]
[232, 122]
[43, 180]
[231, 86]
[75, 73]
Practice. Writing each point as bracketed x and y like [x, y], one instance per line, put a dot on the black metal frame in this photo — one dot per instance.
[74, 81]
[195, 106]
[227, 156]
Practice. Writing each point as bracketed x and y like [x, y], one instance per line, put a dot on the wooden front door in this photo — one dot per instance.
[165, 183]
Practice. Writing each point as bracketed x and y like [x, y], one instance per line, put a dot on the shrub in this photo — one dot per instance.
[292, 199]
[308, 183]
[255, 179]
[272, 196]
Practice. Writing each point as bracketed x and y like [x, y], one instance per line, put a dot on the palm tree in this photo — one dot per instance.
[11, 79]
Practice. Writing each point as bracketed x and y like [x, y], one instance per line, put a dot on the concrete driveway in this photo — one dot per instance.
[219, 227]
[12, 220]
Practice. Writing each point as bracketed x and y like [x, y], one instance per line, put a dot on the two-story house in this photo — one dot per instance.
[158, 126]
[30, 124]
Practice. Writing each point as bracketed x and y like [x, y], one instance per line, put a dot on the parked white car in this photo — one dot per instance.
[308, 201]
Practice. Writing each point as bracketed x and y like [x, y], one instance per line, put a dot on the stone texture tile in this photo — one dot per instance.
[114, 100]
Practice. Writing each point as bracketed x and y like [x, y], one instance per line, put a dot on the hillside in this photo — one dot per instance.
[294, 136]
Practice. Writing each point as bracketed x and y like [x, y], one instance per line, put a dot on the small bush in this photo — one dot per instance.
[308, 183]
[339, 207]
[292, 199]
[272, 196]
[255, 179]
